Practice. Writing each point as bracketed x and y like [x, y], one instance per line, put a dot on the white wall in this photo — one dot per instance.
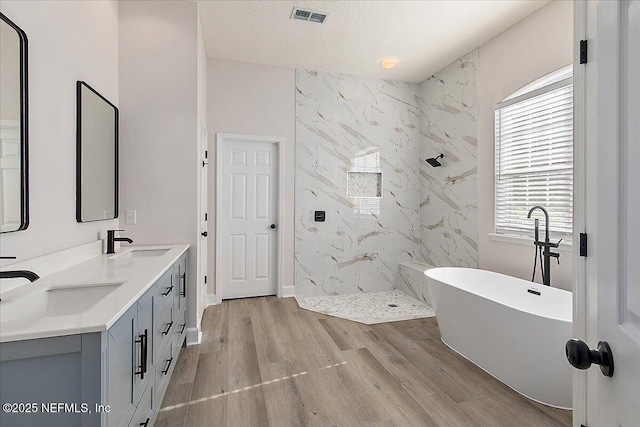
[537, 45]
[68, 41]
[255, 100]
[159, 126]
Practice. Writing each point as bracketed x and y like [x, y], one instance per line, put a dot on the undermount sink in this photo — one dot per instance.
[56, 301]
[140, 253]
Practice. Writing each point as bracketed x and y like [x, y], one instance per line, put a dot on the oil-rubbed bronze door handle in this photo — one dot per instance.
[580, 356]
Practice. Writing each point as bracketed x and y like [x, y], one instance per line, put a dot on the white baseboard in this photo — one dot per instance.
[194, 336]
[288, 291]
[211, 299]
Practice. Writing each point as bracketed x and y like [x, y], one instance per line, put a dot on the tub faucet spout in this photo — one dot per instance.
[545, 246]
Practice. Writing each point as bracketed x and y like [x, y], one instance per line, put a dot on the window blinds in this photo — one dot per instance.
[534, 160]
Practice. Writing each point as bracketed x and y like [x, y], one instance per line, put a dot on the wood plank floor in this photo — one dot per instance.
[266, 362]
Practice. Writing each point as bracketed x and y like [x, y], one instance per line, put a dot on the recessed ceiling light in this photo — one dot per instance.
[389, 63]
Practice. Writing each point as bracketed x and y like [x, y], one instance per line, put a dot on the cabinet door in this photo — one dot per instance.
[143, 349]
[120, 365]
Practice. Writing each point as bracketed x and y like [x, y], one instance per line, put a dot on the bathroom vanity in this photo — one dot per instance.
[96, 343]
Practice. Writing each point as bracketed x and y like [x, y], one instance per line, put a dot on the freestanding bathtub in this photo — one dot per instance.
[513, 329]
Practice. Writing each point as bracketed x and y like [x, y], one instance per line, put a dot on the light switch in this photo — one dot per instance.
[130, 217]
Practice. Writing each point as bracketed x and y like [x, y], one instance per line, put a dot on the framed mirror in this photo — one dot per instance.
[14, 128]
[97, 156]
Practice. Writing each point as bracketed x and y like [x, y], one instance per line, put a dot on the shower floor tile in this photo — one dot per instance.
[369, 308]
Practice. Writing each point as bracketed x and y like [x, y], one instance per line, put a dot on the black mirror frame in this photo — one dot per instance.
[24, 126]
[79, 85]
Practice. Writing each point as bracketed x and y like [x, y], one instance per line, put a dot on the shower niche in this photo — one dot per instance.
[363, 184]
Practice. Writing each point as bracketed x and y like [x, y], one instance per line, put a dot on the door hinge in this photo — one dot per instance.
[583, 51]
[206, 154]
[205, 279]
[206, 216]
[583, 244]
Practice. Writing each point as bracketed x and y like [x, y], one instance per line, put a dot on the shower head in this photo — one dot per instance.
[434, 161]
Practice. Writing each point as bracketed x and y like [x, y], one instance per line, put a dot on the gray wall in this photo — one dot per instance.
[68, 41]
[159, 125]
[252, 99]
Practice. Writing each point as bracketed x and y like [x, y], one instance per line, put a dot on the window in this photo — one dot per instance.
[534, 155]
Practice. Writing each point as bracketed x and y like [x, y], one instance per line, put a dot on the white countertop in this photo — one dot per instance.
[136, 276]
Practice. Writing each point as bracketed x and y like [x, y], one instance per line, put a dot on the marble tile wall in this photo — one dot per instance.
[448, 111]
[346, 123]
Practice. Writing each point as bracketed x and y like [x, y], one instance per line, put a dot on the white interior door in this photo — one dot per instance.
[613, 211]
[248, 211]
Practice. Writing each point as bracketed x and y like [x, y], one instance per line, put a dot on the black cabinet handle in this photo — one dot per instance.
[146, 423]
[184, 325]
[142, 340]
[204, 234]
[167, 328]
[166, 370]
[183, 291]
[167, 291]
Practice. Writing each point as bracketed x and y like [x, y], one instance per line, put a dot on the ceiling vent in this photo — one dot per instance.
[308, 15]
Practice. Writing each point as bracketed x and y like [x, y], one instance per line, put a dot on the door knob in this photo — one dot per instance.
[204, 234]
[273, 226]
[581, 357]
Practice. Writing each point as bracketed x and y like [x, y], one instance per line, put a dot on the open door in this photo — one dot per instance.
[608, 293]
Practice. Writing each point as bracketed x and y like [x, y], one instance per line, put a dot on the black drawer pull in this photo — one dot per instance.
[184, 325]
[167, 328]
[143, 341]
[183, 292]
[146, 423]
[166, 370]
[167, 291]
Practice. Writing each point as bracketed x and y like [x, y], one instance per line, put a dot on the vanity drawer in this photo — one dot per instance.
[180, 330]
[144, 414]
[164, 368]
[163, 330]
[164, 293]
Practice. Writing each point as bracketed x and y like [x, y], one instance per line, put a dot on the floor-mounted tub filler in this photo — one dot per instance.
[513, 329]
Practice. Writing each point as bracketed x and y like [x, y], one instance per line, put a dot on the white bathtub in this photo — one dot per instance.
[516, 336]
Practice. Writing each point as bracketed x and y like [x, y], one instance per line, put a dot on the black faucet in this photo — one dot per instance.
[545, 246]
[111, 239]
[14, 274]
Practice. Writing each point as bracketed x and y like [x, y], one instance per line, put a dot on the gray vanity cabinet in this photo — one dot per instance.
[127, 367]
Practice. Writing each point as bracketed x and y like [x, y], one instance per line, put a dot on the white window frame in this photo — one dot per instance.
[548, 83]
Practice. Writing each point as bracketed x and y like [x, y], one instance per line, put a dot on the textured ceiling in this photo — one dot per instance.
[424, 36]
